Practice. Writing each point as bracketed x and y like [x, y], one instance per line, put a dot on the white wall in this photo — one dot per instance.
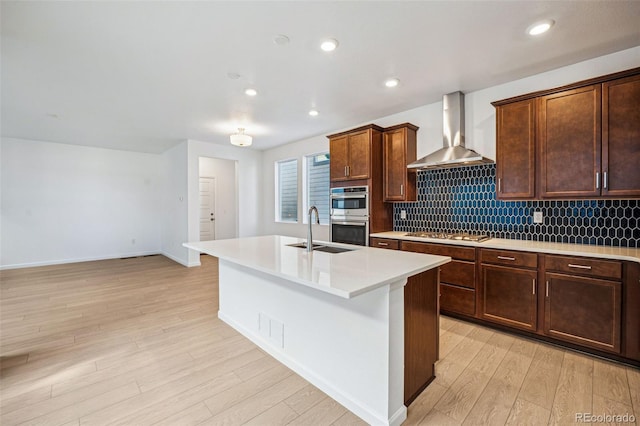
[297, 150]
[479, 128]
[174, 212]
[68, 203]
[226, 207]
[249, 176]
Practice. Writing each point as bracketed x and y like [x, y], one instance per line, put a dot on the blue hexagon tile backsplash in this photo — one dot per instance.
[463, 199]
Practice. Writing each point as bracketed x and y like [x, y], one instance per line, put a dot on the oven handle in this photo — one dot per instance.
[334, 197]
[349, 223]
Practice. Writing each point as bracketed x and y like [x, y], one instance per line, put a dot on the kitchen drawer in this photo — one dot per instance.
[509, 258]
[454, 252]
[384, 243]
[457, 299]
[584, 266]
[460, 273]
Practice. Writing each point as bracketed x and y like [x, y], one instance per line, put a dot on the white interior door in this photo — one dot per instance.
[207, 209]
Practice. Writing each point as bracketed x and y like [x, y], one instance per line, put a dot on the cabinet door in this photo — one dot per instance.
[338, 148]
[421, 329]
[395, 165]
[359, 166]
[621, 137]
[583, 310]
[515, 127]
[509, 296]
[569, 136]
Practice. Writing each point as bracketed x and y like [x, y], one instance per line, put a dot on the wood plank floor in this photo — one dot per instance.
[137, 342]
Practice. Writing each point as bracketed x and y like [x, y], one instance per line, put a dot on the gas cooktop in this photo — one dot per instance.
[446, 236]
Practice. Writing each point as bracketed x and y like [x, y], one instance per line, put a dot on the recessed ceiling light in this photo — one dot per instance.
[281, 40]
[250, 92]
[329, 45]
[392, 82]
[540, 27]
[313, 113]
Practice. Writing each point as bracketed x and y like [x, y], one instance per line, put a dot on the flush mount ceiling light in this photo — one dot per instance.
[240, 139]
[540, 27]
[392, 82]
[329, 45]
[313, 113]
[250, 92]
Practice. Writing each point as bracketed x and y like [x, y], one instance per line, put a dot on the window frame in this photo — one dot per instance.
[305, 186]
[278, 215]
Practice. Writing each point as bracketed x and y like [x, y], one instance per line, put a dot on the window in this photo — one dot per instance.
[287, 191]
[317, 185]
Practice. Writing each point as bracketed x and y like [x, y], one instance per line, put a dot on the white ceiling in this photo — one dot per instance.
[146, 75]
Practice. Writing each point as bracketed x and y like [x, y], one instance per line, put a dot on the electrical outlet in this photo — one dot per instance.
[403, 214]
[537, 217]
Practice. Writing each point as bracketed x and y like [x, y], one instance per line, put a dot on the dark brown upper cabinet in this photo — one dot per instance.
[621, 137]
[516, 150]
[351, 153]
[399, 149]
[574, 142]
[570, 146]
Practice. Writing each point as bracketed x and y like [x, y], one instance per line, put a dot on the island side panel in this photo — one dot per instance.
[352, 349]
[421, 332]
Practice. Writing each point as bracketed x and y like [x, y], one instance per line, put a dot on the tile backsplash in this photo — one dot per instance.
[464, 200]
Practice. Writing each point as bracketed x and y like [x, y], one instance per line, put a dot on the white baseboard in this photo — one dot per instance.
[181, 261]
[77, 260]
[348, 401]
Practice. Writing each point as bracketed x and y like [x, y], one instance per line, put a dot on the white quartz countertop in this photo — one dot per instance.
[604, 252]
[345, 274]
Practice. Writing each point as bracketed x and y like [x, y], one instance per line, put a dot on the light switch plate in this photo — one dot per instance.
[403, 214]
[537, 217]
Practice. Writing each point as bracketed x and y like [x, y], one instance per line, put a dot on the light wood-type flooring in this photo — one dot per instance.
[137, 342]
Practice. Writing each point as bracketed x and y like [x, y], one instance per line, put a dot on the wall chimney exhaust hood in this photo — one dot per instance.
[453, 153]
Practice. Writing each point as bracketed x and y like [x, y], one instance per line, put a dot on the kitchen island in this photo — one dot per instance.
[340, 320]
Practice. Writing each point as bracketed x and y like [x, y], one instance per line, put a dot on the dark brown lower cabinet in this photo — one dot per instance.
[456, 299]
[509, 296]
[583, 310]
[421, 332]
[457, 278]
[631, 311]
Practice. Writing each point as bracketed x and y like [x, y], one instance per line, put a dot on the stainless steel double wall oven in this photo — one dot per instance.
[349, 218]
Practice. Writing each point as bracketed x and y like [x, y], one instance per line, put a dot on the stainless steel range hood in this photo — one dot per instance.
[453, 153]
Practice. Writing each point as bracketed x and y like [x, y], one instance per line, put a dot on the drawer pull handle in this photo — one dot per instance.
[383, 244]
[571, 265]
[547, 291]
[534, 286]
[506, 258]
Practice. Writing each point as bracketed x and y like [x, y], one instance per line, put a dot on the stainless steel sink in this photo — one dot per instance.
[304, 245]
[319, 247]
[329, 249]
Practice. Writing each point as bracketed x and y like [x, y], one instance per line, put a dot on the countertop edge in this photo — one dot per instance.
[336, 292]
[520, 245]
